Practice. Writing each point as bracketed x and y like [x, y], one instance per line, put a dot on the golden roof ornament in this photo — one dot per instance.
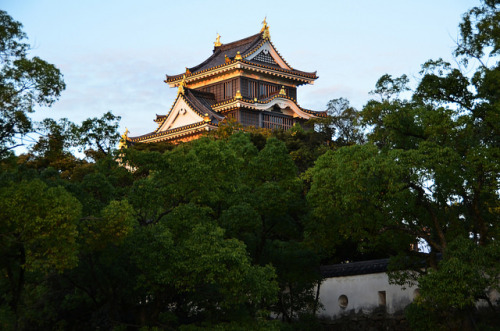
[265, 30]
[238, 95]
[282, 91]
[187, 71]
[264, 25]
[238, 56]
[182, 85]
[217, 42]
[123, 140]
[227, 60]
[206, 118]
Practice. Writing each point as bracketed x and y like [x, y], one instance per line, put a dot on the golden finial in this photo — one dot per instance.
[282, 91]
[227, 59]
[264, 25]
[217, 42]
[265, 30]
[124, 139]
[206, 118]
[266, 35]
[187, 71]
[238, 56]
[182, 85]
[238, 95]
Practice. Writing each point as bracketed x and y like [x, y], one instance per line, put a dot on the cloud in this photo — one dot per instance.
[130, 85]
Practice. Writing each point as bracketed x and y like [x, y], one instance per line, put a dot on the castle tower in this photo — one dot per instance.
[246, 80]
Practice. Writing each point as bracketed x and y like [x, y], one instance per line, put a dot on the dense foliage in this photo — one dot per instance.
[429, 173]
[228, 231]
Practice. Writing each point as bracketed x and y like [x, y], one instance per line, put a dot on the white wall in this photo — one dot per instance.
[362, 292]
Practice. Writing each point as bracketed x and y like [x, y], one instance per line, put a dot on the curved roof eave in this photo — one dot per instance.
[225, 55]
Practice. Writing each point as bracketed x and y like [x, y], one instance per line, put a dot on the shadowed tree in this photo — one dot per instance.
[430, 172]
[24, 83]
[39, 236]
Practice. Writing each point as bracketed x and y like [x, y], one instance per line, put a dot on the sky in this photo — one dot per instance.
[114, 55]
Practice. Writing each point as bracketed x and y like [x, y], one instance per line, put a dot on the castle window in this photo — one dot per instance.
[223, 90]
[252, 89]
[228, 89]
[249, 119]
[262, 91]
[343, 301]
[381, 298]
[276, 122]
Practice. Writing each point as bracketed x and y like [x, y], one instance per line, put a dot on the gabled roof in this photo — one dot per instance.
[201, 102]
[230, 50]
[194, 111]
[183, 131]
[227, 54]
[198, 101]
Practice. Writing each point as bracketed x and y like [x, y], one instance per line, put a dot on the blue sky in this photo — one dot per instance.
[114, 54]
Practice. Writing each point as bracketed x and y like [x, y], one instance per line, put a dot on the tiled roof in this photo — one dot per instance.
[246, 47]
[158, 135]
[320, 113]
[231, 49]
[265, 101]
[201, 102]
[160, 118]
[355, 268]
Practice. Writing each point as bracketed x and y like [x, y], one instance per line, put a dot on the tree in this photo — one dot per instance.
[429, 172]
[24, 83]
[187, 264]
[38, 230]
[357, 194]
[340, 126]
[98, 136]
[53, 147]
[267, 217]
[255, 196]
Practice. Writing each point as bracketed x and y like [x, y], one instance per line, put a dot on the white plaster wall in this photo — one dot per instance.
[273, 53]
[494, 296]
[178, 118]
[362, 294]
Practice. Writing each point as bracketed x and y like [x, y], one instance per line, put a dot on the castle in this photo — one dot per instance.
[246, 80]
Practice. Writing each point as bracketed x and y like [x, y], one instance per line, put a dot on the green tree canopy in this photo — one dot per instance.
[39, 236]
[24, 83]
[430, 171]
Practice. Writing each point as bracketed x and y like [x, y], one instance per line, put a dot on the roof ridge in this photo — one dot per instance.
[220, 50]
[166, 132]
[196, 104]
[227, 54]
[240, 42]
[195, 68]
[225, 47]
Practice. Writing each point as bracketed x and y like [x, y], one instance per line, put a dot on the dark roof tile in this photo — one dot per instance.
[244, 46]
[231, 49]
[202, 102]
[355, 268]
